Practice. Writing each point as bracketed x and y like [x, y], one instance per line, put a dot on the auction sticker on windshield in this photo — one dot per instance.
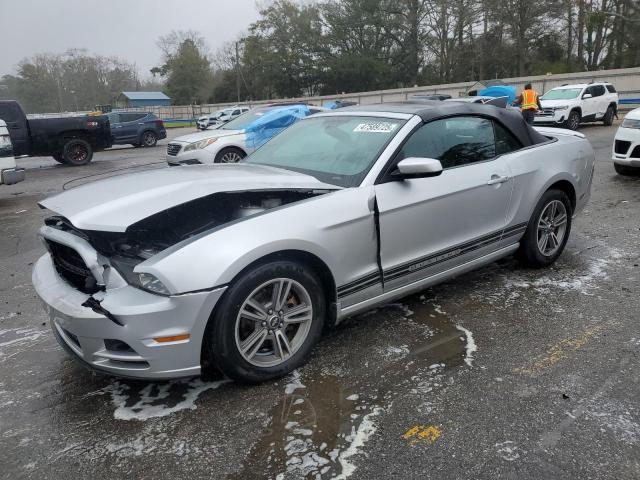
[378, 127]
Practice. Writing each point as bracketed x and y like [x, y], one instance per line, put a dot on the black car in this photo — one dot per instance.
[71, 140]
[140, 129]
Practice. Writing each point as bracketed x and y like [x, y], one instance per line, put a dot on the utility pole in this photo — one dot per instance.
[238, 72]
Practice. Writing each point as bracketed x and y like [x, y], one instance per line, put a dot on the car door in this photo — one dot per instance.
[601, 101]
[130, 126]
[428, 225]
[114, 122]
[589, 105]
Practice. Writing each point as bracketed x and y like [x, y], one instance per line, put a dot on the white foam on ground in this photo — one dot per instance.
[358, 440]
[294, 384]
[470, 347]
[509, 451]
[150, 404]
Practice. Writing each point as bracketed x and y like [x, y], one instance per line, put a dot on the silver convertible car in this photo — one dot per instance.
[239, 267]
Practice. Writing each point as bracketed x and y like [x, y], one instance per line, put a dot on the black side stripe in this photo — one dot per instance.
[358, 281]
[406, 268]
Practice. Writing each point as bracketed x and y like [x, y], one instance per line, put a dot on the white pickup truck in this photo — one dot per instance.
[571, 105]
[9, 173]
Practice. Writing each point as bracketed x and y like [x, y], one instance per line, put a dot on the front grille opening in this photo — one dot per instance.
[173, 149]
[118, 346]
[70, 266]
[72, 337]
[137, 364]
[622, 147]
[636, 152]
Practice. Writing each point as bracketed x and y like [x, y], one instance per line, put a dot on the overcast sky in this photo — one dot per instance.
[124, 28]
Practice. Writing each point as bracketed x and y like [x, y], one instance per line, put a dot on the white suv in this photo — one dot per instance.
[570, 105]
[9, 173]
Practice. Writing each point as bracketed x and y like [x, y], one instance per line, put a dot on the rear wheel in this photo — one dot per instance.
[267, 323]
[548, 230]
[624, 170]
[77, 152]
[229, 155]
[573, 122]
[149, 139]
[608, 116]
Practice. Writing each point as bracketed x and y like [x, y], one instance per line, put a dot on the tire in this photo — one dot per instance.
[59, 158]
[228, 331]
[608, 116]
[229, 155]
[624, 170]
[573, 121]
[534, 250]
[148, 139]
[77, 152]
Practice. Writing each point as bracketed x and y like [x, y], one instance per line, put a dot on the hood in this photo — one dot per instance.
[116, 203]
[556, 103]
[194, 137]
[633, 114]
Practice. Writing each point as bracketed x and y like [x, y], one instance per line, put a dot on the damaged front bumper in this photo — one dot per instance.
[129, 349]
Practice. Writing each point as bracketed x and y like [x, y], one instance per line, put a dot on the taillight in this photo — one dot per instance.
[160, 123]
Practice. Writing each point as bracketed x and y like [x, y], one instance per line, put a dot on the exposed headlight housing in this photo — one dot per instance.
[143, 280]
[199, 145]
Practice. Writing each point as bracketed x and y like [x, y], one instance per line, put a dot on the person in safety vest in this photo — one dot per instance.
[529, 103]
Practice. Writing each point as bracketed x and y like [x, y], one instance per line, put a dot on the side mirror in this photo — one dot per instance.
[587, 95]
[415, 167]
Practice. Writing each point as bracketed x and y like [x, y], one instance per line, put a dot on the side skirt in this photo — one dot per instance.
[425, 282]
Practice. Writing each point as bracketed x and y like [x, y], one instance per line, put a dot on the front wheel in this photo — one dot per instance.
[77, 152]
[267, 323]
[608, 117]
[229, 155]
[548, 230]
[573, 122]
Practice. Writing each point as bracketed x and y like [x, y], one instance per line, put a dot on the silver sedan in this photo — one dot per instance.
[170, 272]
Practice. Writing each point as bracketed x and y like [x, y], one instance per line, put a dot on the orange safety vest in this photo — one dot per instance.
[529, 100]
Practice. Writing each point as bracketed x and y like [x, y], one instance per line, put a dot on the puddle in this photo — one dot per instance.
[322, 423]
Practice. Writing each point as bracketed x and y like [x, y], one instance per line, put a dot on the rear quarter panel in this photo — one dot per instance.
[536, 169]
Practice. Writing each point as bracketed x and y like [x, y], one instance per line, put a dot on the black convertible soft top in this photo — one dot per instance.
[433, 110]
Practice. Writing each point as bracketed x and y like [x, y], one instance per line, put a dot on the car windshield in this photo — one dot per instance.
[244, 120]
[561, 94]
[339, 150]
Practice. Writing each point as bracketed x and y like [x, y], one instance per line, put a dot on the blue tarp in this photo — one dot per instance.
[331, 105]
[266, 127]
[500, 91]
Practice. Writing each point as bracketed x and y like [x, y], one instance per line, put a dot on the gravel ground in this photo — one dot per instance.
[501, 373]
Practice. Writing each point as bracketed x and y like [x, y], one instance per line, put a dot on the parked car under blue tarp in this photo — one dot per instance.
[500, 91]
[271, 123]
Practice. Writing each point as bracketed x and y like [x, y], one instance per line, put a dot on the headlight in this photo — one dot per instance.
[200, 144]
[151, 283]
[144, 281]
[562, 107]
[630, 123]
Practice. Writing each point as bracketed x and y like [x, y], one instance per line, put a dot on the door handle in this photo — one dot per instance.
[495, 179]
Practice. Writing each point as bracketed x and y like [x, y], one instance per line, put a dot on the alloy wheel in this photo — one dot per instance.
[149, 139]
[78, 153]
[273, 322]
[231, 157]
[552, 228]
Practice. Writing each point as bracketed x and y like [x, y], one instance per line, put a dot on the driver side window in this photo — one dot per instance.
[456, 141]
